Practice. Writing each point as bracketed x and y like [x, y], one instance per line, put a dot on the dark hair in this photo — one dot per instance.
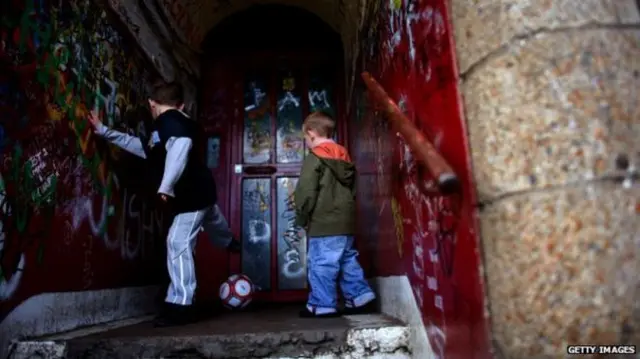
[168, 94]
[321, 122]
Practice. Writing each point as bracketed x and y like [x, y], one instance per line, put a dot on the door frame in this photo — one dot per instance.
[242, 60]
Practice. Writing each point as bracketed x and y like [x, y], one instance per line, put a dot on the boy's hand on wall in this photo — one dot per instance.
[94, 119]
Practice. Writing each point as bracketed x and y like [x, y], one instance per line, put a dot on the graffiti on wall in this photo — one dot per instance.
[416, 38]
[64, 194]
[430, 220]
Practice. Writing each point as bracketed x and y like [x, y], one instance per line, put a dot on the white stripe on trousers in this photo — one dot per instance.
[181, 243]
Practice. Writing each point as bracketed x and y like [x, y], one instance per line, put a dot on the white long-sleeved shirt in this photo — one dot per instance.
[177, 153]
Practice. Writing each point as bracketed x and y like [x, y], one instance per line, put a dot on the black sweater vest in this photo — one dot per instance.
[196, 188]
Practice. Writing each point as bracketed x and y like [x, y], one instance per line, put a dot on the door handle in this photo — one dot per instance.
[256, 170]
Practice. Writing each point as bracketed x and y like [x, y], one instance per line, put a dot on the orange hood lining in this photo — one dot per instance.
[331, 151]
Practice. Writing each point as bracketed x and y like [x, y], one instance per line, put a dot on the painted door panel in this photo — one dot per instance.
[277, 92]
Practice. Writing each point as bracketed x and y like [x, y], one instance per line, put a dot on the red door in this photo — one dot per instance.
[277, 92]
[216, 113]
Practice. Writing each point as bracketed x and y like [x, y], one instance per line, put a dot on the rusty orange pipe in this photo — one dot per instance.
[421, 147]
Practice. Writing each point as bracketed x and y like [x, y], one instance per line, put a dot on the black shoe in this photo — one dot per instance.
[368, 308]
[234, 246]
[174, 315]
[306, 313]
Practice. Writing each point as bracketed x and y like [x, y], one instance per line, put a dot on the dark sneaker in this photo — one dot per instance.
[234, 246]
[175, 315]
[368, 308]
[306, 313]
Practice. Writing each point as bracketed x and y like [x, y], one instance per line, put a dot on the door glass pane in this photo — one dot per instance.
[256, 231]
[257, 122]
[292, 241]
[321, 96]
[289, 140]
[321, 92]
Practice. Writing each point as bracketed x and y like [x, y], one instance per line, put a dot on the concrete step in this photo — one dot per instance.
[276, 333]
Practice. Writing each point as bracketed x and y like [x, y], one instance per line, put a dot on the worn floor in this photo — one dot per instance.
[276, 332]
[261, 320]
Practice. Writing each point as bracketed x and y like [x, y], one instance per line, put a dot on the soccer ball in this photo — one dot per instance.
[237, 291]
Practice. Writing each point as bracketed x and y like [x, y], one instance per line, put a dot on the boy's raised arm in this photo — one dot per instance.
[306, 191]
[131, 144]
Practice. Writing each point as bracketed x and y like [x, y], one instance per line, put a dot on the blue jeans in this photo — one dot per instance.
[333, 259]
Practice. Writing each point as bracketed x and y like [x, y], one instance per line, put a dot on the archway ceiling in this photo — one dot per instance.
[192, 19]
[170, 32]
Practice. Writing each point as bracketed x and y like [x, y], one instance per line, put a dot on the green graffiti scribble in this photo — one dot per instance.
[27, 188]
[29, 196]
[49, 62]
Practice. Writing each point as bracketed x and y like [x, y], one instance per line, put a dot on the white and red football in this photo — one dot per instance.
[237, 291]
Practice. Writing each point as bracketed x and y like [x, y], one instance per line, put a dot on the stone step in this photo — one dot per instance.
[273, 334]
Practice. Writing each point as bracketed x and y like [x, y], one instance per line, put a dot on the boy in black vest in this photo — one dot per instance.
[185, 185]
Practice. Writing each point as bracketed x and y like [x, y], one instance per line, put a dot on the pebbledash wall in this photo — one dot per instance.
[425, 244]
[551, 99]
[79, 244]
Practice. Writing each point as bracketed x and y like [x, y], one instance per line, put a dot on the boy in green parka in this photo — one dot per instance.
[325, 199]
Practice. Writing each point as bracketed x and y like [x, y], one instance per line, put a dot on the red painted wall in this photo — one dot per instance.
[73, 211]
[427, 236]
